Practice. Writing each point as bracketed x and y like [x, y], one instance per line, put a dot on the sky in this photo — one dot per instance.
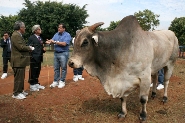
[112, 10]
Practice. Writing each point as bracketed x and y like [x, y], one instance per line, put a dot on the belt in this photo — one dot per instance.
[59, 51]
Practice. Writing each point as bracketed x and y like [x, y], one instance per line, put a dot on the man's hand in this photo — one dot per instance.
[32, 48]
[48, 41]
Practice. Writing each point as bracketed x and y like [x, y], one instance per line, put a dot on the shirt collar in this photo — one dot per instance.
[19, 33]
[61, 33]
[37, 35]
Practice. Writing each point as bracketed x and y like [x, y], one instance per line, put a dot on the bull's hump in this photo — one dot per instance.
[129, 22]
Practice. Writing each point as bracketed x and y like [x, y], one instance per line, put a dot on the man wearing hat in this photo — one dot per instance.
[36, 58]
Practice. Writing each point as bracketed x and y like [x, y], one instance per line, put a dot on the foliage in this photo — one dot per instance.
[49, 14]
[178, 27]
[147, 19]
[101, 29]
[113, 25]
[6, 23]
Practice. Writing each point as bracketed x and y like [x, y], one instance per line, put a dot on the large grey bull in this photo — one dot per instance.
[126, 58]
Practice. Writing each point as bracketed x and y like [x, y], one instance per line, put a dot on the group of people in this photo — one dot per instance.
[21, 54]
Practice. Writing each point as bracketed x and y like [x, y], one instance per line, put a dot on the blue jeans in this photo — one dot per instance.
[60, 62]
[78, 71]
[161, 76]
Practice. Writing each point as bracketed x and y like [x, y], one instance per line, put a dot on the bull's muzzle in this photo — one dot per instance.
[71, 63]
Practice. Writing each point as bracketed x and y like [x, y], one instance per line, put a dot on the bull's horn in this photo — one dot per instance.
[93, 27]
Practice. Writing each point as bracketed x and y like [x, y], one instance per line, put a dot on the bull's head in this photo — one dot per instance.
[84, 42]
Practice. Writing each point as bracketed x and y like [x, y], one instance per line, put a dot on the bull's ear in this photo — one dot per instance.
[95, 37]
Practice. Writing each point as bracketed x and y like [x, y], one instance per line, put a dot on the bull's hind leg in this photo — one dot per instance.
[167, 74]
[123, 112]
[155, 81]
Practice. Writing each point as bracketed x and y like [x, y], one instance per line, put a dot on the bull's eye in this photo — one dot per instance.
[85, 43]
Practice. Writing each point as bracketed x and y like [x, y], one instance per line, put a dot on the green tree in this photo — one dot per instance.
[101, 29]
[49, 14]
[113, 25]
[147, 19]
[6, 23]
[178, 27]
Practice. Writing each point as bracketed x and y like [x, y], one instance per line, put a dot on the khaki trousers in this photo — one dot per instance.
[19, 76]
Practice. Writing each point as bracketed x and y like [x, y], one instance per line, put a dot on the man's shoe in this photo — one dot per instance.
[75, 78]
[22, 95]
[80, 77]
[151, 85]
[39, 86]
[33, 88]
[18, 97]
[25, 93]
[54, 84]
[4, 75]
[160, 86]
[61, 84]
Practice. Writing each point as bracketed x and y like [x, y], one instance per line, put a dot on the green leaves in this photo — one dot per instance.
[147, 19]
[48, 15]
[6, 23]
[178, 27]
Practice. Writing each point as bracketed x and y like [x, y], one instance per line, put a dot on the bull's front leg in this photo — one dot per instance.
[144, 92]
[123, 112]
[143, 112]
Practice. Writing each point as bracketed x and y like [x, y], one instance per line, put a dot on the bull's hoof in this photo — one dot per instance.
[165, 99]
[153, 95]
[142, 116]
[121, 116]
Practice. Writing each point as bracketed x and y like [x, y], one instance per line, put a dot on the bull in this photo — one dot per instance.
[126, 58]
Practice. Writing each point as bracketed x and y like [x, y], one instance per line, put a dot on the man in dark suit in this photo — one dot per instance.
[36, 58]
[19, 59]
[6, 45]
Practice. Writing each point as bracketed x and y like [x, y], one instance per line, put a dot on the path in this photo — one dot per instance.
[46, 78]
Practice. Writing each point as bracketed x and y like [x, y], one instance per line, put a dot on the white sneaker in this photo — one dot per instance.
[54, 84]
[18, 97]
[80, 77]
[75, 78]
[151, 85]
[33, 88]
[39, 86]
[4, 75]
[160, 86]
[61, 84]
[22, 95]
[25, 93]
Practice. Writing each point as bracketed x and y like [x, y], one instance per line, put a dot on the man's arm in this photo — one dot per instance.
[3, 42]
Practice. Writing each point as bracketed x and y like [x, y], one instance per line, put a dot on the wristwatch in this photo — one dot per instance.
[55, 42]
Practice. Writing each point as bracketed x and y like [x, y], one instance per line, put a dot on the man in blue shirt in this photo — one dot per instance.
[61, 41]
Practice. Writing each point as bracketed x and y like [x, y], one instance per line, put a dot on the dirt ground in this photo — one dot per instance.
[87, 102]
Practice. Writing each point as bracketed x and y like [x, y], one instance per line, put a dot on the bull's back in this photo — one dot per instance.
[165, 46]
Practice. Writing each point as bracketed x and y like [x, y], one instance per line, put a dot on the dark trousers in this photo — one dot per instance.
[19, 76]
[161, 76]
[34, 71]
[5, 62]
[78, 71]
